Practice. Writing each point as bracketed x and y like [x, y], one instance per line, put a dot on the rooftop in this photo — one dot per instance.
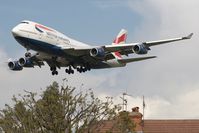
[171, 126]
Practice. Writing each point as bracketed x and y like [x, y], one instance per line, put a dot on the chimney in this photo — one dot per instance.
[136, 116]
[135, 113]
[135, 109]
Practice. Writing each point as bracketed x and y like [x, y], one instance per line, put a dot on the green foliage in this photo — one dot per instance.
[122, 123]
[56, 110]
[125, 123]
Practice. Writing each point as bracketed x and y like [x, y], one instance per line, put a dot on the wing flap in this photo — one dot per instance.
[128, 60]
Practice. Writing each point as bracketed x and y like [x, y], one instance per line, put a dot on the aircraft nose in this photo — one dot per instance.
[15, 31]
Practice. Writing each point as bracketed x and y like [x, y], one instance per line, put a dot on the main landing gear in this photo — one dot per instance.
[70, 69]
[83, 69]
[80, 69]
[54, 71]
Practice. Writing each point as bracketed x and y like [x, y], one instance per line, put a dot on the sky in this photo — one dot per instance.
[169, 83]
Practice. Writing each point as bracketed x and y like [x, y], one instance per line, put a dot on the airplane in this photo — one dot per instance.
[58, 50]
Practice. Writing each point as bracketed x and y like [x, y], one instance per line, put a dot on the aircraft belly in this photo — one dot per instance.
[63, 62]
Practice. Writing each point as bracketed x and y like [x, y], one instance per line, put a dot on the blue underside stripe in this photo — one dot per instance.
[40, 46]
[54, 50]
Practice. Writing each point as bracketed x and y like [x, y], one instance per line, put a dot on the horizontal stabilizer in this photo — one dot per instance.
[189, 36]
[128, 60]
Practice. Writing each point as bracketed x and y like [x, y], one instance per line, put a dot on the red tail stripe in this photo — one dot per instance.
[120, 39]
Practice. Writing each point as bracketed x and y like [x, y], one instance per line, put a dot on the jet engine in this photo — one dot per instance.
[140, 49]
[14, 65]
[26, 62]
[97, 52]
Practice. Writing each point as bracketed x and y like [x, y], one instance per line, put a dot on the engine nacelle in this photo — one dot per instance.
[14, 65]
[26, 62]
[140, 49]
[97, 52]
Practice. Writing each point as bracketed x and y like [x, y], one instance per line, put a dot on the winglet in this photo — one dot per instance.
[188, 37]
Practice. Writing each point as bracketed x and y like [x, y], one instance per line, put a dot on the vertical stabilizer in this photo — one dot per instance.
[120, 39]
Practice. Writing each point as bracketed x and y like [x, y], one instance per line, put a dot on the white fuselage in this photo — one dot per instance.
[48, 41]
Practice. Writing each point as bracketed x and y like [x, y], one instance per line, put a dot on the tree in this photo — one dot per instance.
[124, 123]
[56, 110]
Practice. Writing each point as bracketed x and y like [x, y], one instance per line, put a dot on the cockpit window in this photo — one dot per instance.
[24, 22]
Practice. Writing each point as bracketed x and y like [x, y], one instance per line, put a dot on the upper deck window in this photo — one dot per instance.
[24, 22]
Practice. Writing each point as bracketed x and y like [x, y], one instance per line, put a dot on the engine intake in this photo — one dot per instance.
[26, 62]
[140, 49]
[97, 52]
[14, 65]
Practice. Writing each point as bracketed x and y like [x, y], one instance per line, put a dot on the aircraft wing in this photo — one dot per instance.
[123, 47]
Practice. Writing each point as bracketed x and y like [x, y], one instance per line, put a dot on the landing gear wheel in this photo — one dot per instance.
[72, 71]
[54, 72]
[69, 70]
[80, 69]
[66, 70]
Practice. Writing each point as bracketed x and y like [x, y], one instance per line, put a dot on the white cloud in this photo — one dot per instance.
[169, 82]
[183, 106]
[174, 74]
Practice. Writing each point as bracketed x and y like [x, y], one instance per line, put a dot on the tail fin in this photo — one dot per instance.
[120, 39]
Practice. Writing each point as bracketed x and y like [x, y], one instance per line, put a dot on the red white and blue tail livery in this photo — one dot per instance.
[120, 39]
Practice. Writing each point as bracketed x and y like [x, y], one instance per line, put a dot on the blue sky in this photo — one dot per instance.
[170, 83]
[87, 21]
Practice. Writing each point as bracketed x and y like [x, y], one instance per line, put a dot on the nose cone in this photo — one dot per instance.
[15, 31]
